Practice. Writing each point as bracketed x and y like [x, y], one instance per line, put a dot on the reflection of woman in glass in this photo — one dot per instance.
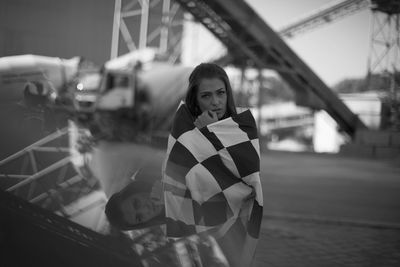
[134, 207]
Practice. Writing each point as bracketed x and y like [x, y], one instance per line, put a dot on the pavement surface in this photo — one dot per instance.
[329, 210]
[285, 242]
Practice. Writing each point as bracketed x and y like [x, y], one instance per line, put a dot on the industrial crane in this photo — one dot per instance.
[324, 15]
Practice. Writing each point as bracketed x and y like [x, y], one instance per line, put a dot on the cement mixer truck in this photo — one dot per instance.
[35, 77]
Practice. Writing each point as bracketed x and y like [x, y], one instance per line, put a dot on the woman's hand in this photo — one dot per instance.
[205, 118]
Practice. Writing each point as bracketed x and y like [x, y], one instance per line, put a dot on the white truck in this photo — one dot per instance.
[105, 90]
[114, 86]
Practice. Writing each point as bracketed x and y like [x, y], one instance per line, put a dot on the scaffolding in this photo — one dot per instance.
[42, 174]
[160, 27]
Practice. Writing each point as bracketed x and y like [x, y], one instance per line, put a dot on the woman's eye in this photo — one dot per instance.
[221, 92]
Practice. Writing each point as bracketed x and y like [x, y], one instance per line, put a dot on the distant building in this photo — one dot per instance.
[286, 126]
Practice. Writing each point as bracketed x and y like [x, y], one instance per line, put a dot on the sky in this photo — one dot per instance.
[334, 51]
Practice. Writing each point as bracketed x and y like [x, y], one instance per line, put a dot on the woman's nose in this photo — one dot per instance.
[214, 100]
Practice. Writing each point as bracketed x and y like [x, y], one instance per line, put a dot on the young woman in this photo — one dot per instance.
[211, 174]
[211, 182]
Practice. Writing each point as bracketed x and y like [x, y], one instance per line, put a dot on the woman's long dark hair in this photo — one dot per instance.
[208, 71]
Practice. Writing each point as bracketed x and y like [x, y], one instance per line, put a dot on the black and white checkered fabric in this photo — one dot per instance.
[211, 181]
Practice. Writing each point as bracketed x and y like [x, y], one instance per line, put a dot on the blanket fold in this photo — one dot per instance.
[211, 180]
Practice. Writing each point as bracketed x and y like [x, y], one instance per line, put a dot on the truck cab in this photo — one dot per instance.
[107, 90]
[117, 90]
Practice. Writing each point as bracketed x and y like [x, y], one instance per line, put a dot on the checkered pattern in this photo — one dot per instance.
[209, 176]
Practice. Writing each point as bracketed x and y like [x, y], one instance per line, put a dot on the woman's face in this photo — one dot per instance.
[138, 208]
[212, 95]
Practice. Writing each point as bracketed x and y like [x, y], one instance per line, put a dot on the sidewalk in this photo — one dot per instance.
[301, 242]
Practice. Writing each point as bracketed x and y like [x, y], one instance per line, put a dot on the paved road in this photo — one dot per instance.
[292, 243]
[331, 186]
[325, 210]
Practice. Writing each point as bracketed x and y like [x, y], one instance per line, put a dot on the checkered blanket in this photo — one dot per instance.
[211, 181]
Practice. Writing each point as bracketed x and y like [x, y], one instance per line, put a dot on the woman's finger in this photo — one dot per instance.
[207, 117]
[213, 115]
